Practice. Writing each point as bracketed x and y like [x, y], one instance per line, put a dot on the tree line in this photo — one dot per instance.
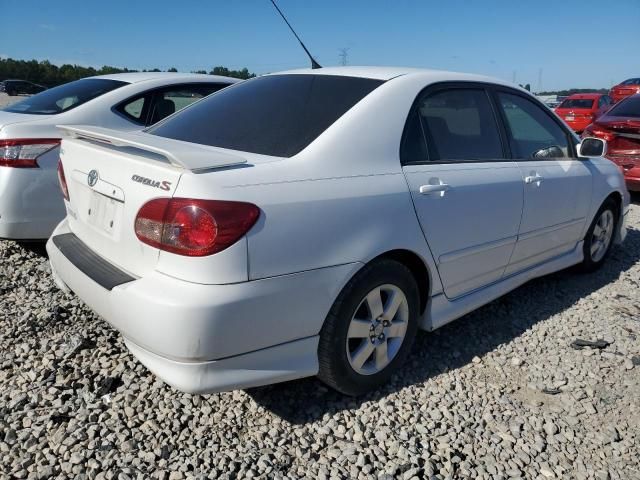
[47, 74]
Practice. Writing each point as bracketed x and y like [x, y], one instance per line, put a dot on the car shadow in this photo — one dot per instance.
[635, 198]
[458, 343]
[37, 247]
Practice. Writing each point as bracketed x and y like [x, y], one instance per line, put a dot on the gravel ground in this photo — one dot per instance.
[497, 394]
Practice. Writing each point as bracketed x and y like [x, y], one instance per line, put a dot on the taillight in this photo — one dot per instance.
[194, 228]
[63, 181]
[24, 152]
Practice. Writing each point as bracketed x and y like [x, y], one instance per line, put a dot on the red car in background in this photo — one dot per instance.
[624, 89]
[580, 109]
[620, 127]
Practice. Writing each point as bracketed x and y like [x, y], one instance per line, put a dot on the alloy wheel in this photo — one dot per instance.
[377, 329]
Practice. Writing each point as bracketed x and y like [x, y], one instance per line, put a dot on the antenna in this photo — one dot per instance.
[314, 64]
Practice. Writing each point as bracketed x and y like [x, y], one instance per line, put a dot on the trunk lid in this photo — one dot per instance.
[111, 175]
[8, 118]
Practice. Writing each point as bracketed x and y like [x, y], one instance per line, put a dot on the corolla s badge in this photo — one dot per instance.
[92, 178]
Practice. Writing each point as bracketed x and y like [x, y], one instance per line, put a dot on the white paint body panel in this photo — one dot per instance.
[251, 314]
[31, 204]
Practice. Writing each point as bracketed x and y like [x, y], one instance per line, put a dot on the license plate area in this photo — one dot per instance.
[104, 213]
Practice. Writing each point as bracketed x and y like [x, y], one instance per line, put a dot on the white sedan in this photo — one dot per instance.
[309, 222]
[31, 204]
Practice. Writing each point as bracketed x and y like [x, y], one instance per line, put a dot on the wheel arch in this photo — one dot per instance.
[418, 269]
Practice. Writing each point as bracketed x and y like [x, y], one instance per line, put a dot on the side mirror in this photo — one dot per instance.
[592, 147]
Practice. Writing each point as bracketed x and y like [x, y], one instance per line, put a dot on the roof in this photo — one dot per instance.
[135, 77]
[387, 73]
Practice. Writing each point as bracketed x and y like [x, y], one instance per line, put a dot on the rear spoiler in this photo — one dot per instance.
[190, 156]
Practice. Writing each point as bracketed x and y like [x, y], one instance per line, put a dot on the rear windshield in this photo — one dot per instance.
[629, 107]
[65, 97]
[631, 81]
[276, 115]
[577, 103]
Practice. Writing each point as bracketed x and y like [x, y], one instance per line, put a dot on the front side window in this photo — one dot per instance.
[459, 124]
[533, 134]
[276, 115]
[65, 97]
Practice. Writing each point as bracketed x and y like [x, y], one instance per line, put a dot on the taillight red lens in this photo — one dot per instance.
[24, 152]
[193, 227]
[63, 181]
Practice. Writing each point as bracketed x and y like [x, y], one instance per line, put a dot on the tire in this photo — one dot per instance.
[601, 232]
[343, 335]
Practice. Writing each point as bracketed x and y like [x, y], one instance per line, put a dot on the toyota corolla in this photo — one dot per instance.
[308, 223]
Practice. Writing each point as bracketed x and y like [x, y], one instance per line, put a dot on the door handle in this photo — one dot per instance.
[439, 188]
[533, 179]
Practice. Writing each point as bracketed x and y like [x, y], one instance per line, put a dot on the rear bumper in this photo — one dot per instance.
[205, 338]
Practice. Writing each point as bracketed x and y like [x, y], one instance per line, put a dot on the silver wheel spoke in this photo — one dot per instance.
[359, 329]
[362, 354]
[602, 234]
[397, 329]
[382, 358]
[372, 343]
[374, 302]
[393, 303]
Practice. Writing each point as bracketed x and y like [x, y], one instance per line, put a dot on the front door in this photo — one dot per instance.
[467, 195]
[557, 186]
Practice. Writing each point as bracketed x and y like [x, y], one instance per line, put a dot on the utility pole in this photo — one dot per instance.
[513, 77]
[343, 56]
[540, 80]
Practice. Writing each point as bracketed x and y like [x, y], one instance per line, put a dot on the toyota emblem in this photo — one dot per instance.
[92, 178]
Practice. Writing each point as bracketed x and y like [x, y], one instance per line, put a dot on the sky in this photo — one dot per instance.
[548, 44]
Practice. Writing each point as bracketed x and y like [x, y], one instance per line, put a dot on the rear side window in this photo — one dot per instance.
[153, 105]
[459, 124]
[631, 81]
[532, 132]
[65, 97]
[629, 107]
[275, 115]
[169, 101]
[577, 103]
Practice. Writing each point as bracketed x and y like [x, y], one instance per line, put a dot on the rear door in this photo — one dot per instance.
[557, 185]
[467, 194]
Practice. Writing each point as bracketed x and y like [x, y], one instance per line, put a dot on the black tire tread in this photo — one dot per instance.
[326, 372]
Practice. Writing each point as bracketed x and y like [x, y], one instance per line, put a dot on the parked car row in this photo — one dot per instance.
[581, 109]
[309, 222]
[620, 127]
